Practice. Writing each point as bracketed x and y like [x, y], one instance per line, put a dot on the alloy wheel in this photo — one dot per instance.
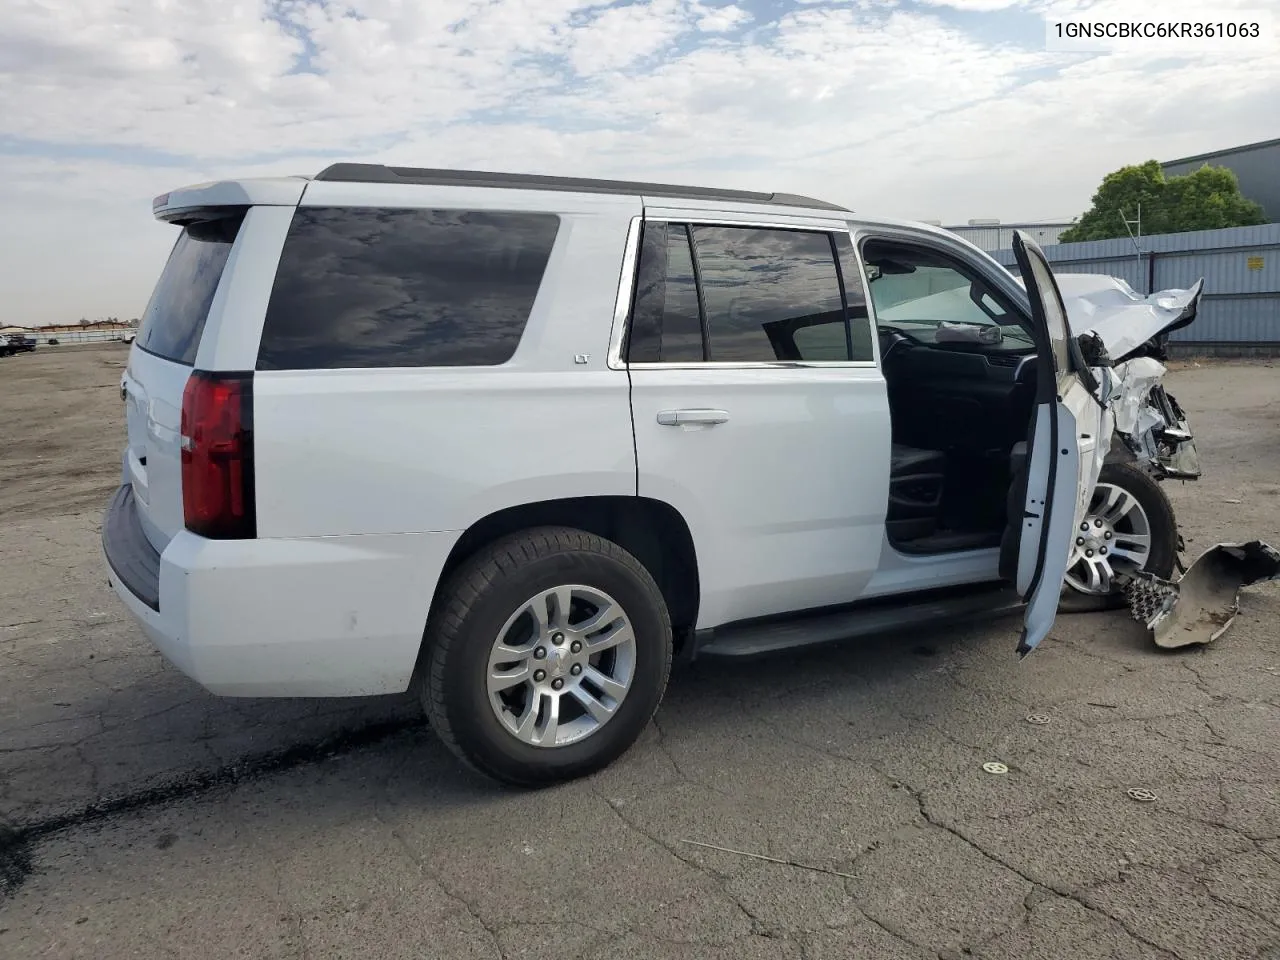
[1113, 542]
[561, 666]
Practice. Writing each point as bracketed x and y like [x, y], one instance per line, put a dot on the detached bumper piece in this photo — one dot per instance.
[1200, 606]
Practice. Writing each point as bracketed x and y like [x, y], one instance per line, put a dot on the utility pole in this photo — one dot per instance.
[1137, 240]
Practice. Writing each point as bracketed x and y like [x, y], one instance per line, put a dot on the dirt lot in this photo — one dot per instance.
[141, 817]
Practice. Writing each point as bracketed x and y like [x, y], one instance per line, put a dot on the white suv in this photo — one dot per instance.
[513, 442]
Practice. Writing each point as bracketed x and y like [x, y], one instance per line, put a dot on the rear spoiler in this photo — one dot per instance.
[187, 203]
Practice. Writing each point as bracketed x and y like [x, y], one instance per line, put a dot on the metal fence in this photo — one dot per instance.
[997, 236]
[1240, 267]
[76, 335]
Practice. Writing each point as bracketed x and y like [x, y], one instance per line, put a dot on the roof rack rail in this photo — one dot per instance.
[380, 173]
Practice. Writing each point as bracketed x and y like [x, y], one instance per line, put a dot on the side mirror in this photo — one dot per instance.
[1093, 350]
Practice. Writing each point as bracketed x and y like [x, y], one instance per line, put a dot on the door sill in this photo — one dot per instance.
[939, 544]
[881, 616]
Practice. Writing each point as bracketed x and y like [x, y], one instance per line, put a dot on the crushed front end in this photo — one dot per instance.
[1150, 425]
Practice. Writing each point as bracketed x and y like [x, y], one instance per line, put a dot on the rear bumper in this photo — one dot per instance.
[130, 555]
[303, 617]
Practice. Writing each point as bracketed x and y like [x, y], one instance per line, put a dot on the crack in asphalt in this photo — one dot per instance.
[16, 840]
[721, 882]
[760, 927]
[604, 934]
[1068, 893]
[466, 905]
[1077, 647]
[665, 750]
[1237, 905]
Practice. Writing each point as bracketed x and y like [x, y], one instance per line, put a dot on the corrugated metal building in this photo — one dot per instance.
[1256, 166]
[992, 235]
[1240, 312]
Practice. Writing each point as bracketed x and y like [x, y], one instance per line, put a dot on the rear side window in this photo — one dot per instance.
[179, 305]
[746, 295]
[666, 324]
[361, 287]
[758, 285]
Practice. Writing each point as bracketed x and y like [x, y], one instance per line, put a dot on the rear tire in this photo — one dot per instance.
[484, 633]
[1159, 517]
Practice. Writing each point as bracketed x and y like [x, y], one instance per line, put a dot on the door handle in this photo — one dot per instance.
[679, 418]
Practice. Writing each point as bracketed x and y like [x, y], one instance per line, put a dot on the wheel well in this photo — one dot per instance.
[650, 530]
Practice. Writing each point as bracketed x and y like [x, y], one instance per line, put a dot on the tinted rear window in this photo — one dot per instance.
[363, 287]
[179, 306]
[755, 280]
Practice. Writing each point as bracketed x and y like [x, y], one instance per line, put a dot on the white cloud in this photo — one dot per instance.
[981, 6]
[882, 106]
[619, 36]
[722, 19]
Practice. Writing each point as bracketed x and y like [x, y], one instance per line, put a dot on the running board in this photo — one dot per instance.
[756, 638]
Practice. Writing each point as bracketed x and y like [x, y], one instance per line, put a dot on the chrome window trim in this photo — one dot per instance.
[626, 286]
[622, 304]
[756, 365]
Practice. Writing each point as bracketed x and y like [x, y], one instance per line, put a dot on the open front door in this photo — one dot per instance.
[1067, 442]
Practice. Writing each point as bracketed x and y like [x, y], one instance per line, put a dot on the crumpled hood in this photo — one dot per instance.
[1124, 319]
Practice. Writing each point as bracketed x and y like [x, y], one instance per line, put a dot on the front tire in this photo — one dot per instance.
[548, 653]
[1131, 526]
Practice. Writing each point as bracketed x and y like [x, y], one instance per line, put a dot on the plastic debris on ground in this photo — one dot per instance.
[1198, 607]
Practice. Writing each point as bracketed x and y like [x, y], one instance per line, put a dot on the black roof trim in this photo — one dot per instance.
[378, 173]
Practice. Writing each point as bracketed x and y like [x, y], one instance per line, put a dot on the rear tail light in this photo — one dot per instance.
[217, 455]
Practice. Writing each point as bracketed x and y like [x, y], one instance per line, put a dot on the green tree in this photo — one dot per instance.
[1207, 199]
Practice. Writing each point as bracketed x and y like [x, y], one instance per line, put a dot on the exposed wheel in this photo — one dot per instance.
[1129, 526]
[547, 655]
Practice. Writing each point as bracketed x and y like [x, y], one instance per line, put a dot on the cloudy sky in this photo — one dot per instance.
[932, 109]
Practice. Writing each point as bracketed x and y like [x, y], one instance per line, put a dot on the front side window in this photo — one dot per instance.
[931, 298]
[376, 287]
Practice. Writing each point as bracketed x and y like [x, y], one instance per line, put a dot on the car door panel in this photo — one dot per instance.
[1072, 431]
[786, 497]
[780, 467]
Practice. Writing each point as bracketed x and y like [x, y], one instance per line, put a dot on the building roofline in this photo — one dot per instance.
[380, 173]
[1221, 153]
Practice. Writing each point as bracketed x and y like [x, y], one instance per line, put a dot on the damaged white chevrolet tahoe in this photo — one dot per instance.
[514, 442]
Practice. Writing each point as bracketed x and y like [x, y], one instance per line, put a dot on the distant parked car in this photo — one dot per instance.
[18, 341]
[52, 341]
[4, 346]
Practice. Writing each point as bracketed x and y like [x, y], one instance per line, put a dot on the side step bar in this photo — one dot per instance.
[756, 638]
